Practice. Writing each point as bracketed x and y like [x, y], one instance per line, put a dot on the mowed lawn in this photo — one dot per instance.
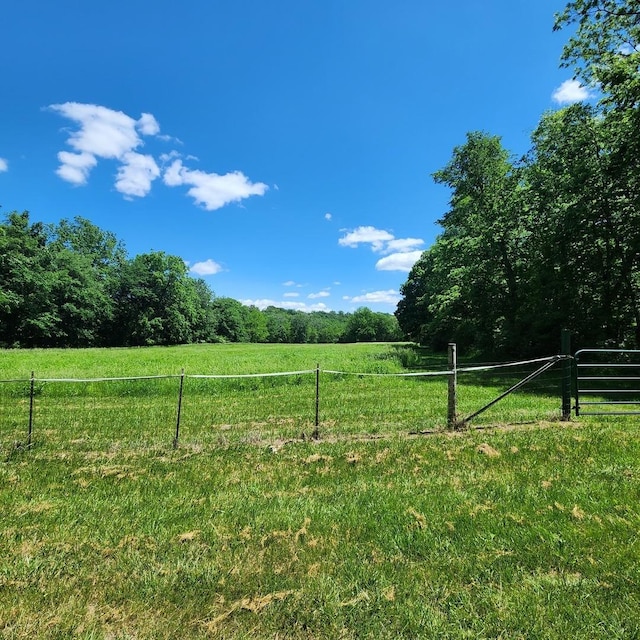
[524, 528]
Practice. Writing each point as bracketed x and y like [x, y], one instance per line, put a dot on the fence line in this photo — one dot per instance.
[445, 372]
[251, 375]
[450, 372]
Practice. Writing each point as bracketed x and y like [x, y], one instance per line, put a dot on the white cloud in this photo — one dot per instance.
[366, 235]
[75, 167]
[211, 190]
[320, 294]
[398, 261]
[168, 157]
[148, 125]
[401, 253]
[298, 306]
[376, 297]
[327, 216]
[381, 241]
[136, 174]
[4, 165]
[207, 268]
[292, 294]
[108, 134]
[403, 245]
[571, 91]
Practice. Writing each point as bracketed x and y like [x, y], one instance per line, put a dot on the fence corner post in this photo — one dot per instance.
[452, 404]
[565, 352]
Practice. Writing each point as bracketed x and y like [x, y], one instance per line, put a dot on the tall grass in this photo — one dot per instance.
[99, 414]
[249, 531]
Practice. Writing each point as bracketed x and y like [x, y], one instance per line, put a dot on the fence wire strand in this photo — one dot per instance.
[218, 409]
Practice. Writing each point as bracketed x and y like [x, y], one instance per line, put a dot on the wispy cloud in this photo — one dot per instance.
[286, 304]
[206, 268]
[320, 294]
[401, 253]
[4, 165]
[107, 134]
[375, 297]
[403, 245]
[398, 261]
[211, 190]
[571, 91]
[366, 235]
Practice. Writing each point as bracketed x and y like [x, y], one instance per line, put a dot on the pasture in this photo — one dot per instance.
[523, 526]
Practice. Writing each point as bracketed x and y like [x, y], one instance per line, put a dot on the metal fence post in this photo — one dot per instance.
[175, 439]
[565, 351]
[452, 405]
[31, 396]
[316, 431]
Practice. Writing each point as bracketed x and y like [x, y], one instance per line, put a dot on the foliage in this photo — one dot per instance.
[72, 285]
[551, 241]
[605, 48]
[365, 325]
[54, 282]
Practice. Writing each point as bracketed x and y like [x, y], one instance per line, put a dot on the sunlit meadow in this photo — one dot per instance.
[385, 525]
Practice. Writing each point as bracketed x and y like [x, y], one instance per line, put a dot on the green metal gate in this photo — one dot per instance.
[607, 382]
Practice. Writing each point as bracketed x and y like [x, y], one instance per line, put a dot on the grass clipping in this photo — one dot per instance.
[254, 604]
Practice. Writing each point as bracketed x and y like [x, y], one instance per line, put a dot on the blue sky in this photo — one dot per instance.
[283, 149]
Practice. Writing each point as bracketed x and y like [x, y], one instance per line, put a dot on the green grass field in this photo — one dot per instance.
[526, 527]
[99, 415]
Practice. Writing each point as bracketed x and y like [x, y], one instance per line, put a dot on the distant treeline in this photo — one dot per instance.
[73, 285]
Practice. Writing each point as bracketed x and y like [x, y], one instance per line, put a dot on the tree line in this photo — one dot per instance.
[73, 285]
[550, 240]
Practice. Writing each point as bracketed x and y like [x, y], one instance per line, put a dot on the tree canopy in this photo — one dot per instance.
[551, 240]
[73, 285]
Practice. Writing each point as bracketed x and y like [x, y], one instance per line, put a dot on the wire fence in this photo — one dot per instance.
[112, 412]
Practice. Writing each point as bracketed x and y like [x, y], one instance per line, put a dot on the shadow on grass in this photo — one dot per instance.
[416, 358]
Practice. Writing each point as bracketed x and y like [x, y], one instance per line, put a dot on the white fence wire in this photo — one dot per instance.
[330, 409]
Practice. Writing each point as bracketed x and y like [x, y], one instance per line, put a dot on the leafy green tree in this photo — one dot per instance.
[232, 320]
[278, 325]
[586, 239]
[156, 302]
[256, 325]
[387, 328]
[26, 318]
[604, 49]
[206, 316]
[327, 326]
[482, 241]
[83, 261]
[361, 326]
[299, 327]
